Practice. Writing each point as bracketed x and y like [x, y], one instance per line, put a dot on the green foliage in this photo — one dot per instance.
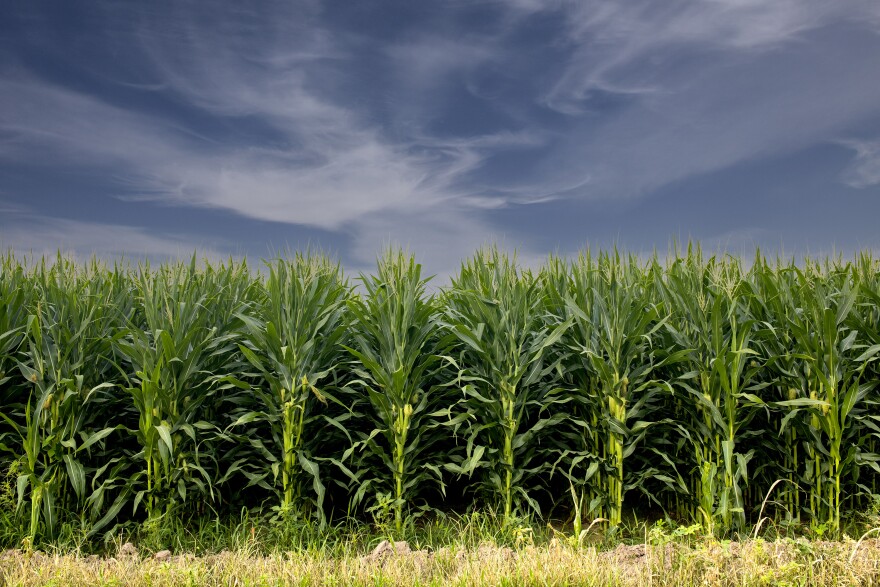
[398, 348]
[64, 358]
[173, 348]
[497, 313]
[710, 304]
[292, 337]
[715, 392]
[609, 361]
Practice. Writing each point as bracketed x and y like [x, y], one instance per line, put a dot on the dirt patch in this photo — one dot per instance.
[162, 556]
[10, 554]
[387, 549]
[128, 551]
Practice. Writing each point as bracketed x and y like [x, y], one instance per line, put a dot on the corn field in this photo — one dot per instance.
[704, 388]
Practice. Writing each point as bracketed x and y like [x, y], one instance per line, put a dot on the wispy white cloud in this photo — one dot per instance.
[426, 62]
[711, 85]
[440, 237]
[341, 173]
[618, 46]
[29, 234]
[156, 164]
[327, 164]
[864, 170]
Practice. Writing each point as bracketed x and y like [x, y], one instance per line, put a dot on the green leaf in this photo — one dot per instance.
[76, 474]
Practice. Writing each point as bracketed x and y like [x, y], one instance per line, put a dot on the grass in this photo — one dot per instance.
[476, 549]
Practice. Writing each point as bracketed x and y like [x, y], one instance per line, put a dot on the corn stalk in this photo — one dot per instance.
[397, 354]
[710, 302]
[172, 359]
[833, 366]
[497, 312]
[292, 337]
[65, 359]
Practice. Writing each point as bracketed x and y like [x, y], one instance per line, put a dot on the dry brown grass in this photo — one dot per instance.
[711, 563]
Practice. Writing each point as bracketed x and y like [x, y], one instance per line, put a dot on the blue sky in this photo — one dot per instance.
[242, 128]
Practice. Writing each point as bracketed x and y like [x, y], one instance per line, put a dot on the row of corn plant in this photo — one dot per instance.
[697, 386]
